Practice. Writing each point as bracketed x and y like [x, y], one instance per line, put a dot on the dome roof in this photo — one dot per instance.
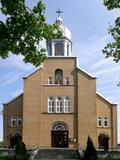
[66, 32]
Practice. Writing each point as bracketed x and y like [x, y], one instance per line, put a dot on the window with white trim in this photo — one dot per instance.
[51, 104]
[99, 122]
[13, 121]
[105, 122]
[67, 81]
[50, 80]
[59, 104]
[67, 104]
[19, 121]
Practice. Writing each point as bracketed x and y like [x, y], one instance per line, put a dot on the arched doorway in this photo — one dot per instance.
[103, 141]
[14, 139]
[59, 135]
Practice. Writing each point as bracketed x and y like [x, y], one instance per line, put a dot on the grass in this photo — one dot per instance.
[6, 158]
[108, 159]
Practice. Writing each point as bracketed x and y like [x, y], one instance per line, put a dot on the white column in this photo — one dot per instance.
[53, 48]
[65, 48]
[70, 49]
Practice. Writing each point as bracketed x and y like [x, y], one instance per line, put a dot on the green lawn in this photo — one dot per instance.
[6, 158]
[108, 159]
[11, 158]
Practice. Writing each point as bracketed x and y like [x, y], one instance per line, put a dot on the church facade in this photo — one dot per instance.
[59, 106]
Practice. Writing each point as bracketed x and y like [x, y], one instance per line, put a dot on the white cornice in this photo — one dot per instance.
[99, 94]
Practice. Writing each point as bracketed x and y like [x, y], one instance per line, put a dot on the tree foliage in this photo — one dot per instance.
[90, 152]
[23, 30]
[112, 4]
[21, 152]
[112, 49]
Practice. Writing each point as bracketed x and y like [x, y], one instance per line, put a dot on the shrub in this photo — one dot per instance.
[90, 152]
[21, 152]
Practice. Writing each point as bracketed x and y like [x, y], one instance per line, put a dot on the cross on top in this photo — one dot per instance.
[59, 12]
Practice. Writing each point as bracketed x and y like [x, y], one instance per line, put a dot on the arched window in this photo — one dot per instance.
[59, 104]
[19, 121]
[99, 122]
[51, 104]
[59, 126]
[67, 104]
[58, 76]
[13, 121]
[105, 122]
[59, 49]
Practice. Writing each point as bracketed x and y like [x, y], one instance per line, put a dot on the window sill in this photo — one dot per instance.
[15, 126]
[105, 127]
[58, 85]
[58, 113]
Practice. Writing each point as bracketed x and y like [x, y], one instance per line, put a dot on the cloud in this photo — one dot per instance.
[110, 70]
[100, 63]
[93, 61]
[16, 62]
[91, 50]
[16, 93]
[13, 68]
[12, 78]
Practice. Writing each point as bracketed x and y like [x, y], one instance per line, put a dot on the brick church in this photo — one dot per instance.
[59, 106]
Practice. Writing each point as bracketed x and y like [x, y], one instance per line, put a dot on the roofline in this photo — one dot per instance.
[25, 77]
[62, 38]
[99, 94]
[66, 57]
[13, 99]
[88, 74]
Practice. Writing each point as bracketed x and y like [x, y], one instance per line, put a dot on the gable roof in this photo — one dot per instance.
[86, 73]
[97, 93]
[32, 73]
[21, 94]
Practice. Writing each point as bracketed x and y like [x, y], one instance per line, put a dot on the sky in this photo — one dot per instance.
[88, 22]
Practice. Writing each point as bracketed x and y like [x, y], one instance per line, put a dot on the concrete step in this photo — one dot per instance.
[57, 154]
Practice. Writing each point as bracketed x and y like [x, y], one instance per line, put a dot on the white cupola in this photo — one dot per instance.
[62, 46]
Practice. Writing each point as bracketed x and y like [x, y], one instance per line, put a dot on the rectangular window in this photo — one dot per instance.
[19, 121]
[99, 122]
[13, 121]
[59, 104]
[51, 104]
[105, 122]
[67, 104]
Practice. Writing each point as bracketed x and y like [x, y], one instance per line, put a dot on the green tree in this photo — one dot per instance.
[21, 152]
[112, 49]
[90, 152]
[23, 29]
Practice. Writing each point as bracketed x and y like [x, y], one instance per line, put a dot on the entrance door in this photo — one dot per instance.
[14, 140]
[59, 135]
[59, 139]
[103, 141]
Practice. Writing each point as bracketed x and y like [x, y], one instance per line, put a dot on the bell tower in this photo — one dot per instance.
[60, 47]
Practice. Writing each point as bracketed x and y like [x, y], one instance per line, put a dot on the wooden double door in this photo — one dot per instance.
[59, 139]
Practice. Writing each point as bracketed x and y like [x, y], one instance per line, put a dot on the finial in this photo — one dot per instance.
[59, 12]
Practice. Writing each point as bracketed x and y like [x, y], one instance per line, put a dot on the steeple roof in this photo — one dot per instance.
[66, 32]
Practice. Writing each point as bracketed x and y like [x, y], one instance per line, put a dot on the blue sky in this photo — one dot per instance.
[88, 22]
